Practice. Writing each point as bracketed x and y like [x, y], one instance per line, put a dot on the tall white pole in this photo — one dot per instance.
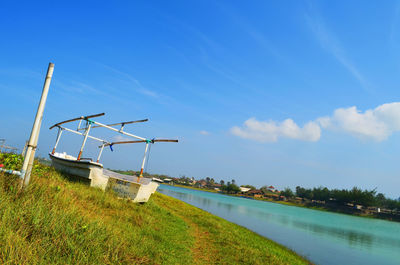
[33, 139]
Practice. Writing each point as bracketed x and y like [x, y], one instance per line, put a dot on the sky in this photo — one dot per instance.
[281, 93]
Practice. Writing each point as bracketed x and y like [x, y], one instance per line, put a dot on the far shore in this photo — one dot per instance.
[290, 203]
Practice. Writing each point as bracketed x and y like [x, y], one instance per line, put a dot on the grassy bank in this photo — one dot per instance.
[57, 221]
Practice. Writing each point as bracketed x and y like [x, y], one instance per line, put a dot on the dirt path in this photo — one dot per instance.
[204, 251]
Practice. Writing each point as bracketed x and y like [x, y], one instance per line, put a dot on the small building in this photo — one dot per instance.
[273, 196]
[254, 193]
[157, 180]
[244, 189]
[202, 183]
[167, 180]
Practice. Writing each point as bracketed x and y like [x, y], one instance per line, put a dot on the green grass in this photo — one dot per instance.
[58, 221]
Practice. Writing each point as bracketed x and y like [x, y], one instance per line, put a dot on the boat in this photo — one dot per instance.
[136, 188]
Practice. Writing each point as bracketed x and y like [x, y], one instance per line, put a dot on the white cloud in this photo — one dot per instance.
[120, 138]
[271, 131]
[204, 133]
[332, 44]
[377, 124]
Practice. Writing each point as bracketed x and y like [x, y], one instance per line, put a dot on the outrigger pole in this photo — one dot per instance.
[145, 150]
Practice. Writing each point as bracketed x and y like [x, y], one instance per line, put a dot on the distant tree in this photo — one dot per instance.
[264, 190]
[304, 193]
[380, 200]
[212, 181]
[231, 188]
[287, 192]
[392, 204]
[233, 181]
[207, 180]
[222, 182]
[321, 194]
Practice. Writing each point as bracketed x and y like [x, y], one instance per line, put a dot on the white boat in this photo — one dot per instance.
[136, 188]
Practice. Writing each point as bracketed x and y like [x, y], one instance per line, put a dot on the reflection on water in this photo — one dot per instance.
[325, 238]
[349, 235]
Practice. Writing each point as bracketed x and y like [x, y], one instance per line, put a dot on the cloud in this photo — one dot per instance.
[375, 124]
[137, 85]
[331, 44]
[120, 138]
[204, 133]
[271, 131]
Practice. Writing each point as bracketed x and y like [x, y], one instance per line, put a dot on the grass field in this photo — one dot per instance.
[58, 221]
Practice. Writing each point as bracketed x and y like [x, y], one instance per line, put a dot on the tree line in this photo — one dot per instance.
[367, 198]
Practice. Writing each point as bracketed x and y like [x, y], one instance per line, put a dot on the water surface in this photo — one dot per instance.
[322, 237]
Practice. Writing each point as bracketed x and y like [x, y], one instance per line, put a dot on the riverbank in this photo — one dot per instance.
[313, 206]
[58, 221]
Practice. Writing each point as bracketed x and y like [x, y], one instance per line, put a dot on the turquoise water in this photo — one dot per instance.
[322, 237]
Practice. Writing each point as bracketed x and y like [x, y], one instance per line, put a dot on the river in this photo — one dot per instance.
[322, 237]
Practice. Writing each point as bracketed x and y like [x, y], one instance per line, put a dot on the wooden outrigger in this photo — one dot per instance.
[137, 188]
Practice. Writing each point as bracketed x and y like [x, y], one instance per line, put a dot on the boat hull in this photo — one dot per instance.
[132, 187]
[84, 169]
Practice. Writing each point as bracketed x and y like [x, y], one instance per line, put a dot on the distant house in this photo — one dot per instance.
[244, 189]
[259, 193]
[167, 180]
[274, 196]
[157, 180]
[272, 189]
[202, 183]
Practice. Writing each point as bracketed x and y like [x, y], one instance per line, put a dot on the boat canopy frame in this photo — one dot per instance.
[91, 124]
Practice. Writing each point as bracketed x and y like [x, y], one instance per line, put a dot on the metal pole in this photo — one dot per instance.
[144, 160]
[101, 151]
[79, 125]
[32, 157]
[84, 139]
[27, 167]
[116, 130]
[58, 139]
[89, 136]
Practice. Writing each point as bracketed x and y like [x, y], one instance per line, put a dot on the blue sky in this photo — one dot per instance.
[268, 92]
